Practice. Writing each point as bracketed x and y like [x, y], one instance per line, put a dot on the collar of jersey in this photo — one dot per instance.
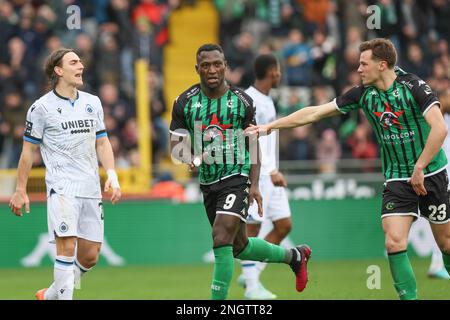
[65, 98]
[390, 89]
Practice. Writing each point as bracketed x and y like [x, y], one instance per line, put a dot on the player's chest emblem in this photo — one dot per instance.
[388, 118]
[89, 109]
[214, 129]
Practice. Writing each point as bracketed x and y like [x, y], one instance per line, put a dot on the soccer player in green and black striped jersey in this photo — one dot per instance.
[410, 129]
[210, 118]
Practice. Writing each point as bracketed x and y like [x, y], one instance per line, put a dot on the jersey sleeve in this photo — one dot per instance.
[100, 130]
[423, 95]
[34, 124]
[250, 112]
[178, 123]
[349, 101]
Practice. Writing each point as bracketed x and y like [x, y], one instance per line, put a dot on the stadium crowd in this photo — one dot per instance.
[316, 41]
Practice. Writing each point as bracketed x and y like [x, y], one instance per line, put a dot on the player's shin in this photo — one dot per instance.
[261, 250]
[64, 277]
[403, 275]
[223, 272]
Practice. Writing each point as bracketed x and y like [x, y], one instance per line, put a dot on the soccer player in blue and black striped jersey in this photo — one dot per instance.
[210, 118]
[410, 129]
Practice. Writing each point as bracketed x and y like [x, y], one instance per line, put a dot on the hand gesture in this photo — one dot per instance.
[254, 194]
[417, 182]
[18, 200]
[116, 193]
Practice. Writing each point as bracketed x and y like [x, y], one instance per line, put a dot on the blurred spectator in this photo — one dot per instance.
[8, 22]
[328, 151]
[314, 14]
[12, 126]
[238, 54]
[231, 14]
[441, 10]
[85, 50]
[415, 62]
[416, 24]
[271, 18]
[130, 134]
[348, 59]
[297, 59]
[322, 52]
[120, 12]
[157, 15]
[160, 130]
[391, 22]
[293, 104]
[439, 79]
[361, 145]
[21, 64]
[113, 105]
[121, 160]
[134, 158]
[301, 146]
[108, 55]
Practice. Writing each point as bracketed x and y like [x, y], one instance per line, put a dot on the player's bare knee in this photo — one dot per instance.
[88, 261]
[221, 238]
[395, 244]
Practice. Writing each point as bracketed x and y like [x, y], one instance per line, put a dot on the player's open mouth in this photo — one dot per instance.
[78, 75]
[212, 80]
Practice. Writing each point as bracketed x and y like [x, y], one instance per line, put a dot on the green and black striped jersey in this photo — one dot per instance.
[216, 127]
[397, 118]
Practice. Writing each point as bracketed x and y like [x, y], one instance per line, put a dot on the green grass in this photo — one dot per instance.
[335, 280]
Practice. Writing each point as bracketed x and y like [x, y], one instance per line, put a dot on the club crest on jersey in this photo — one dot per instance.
[89, 109]
[388, 117]
[214, 129]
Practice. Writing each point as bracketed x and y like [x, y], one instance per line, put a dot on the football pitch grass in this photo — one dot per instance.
[328, 280]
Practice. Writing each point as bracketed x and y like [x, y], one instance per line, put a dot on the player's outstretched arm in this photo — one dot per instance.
[106, 157]
[20, 197]
[433, 144]
[299, 118]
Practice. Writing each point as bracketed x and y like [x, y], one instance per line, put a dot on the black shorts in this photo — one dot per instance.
[229, 196]
[400, 199]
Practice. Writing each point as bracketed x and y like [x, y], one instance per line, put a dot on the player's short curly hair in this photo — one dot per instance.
[382, 49]
[209, 47]
[53, 60]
